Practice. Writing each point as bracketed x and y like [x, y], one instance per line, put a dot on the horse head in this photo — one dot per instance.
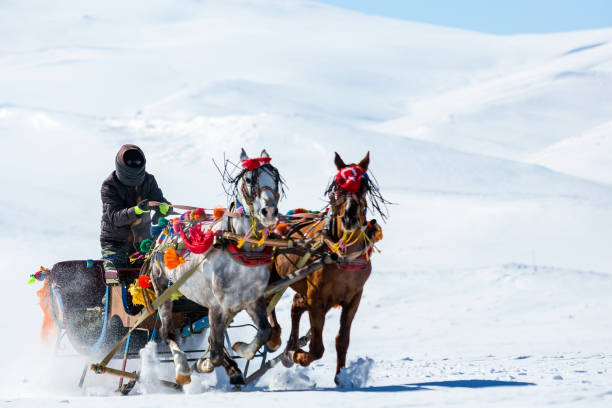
[258, 188]
[348, 193]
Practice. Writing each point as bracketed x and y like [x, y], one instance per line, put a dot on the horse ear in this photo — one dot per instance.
[339, 162]
[243, 155]
[264, 153]
[365, 162]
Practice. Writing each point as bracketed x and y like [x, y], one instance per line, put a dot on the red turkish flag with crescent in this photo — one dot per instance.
[349, 178]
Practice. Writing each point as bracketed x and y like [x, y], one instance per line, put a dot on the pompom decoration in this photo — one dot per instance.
[349, 178]
[282, 229]
[176, 226]
[145, 245]
[144, 281]
[199, 214]
[219, 212]
[176, 295]
[254, 163]
[298, 211]
[40, 275]
[162, 222]
[172, 259]
[156, 230]
[137, 294]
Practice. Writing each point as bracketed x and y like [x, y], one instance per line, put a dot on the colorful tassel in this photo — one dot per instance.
[145, 245]
[218, 212]
[177, 226]
[144, 281]
[282, 229]
[198, 214]
[137, 294]
[172, 259]
[176, 295]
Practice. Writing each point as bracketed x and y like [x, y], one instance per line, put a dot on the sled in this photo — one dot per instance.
[94, 311]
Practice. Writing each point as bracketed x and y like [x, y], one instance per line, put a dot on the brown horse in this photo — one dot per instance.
[347, 233]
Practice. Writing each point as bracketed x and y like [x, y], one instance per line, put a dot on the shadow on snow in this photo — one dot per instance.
[423, 386]
[472, 384]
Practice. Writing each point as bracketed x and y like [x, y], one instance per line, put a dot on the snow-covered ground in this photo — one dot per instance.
[493, 285]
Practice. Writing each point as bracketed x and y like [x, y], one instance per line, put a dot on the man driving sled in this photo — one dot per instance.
[126, 213]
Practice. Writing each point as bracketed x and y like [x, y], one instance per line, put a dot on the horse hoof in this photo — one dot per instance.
[275, 340]
[182, 379]
[272, 345]
[204, 366]
[242, 349]
[237, 379]
[287, 359]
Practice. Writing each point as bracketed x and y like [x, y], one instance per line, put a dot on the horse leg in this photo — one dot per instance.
[257, 312]
[342, 339]
[298, 307]
[275, 337]
[232, 370]
[181, 366]
[297, 310]
[218, 321]
[218, 355]
[317, 320]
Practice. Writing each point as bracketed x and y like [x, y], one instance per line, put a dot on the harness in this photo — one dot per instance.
[249, 258]
[360, 264]
[249, 196]
[345, 186]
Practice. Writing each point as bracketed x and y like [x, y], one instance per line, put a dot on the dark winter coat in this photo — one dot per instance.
[121, 228]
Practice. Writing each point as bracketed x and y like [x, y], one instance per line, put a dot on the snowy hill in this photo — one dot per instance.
[494, 150]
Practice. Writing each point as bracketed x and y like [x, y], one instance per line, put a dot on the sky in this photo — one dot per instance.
[493, 16]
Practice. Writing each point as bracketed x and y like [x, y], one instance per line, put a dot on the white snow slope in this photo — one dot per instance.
[493, 285]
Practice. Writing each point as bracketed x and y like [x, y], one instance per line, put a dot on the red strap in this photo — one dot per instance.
[250, 258]
[358, 264]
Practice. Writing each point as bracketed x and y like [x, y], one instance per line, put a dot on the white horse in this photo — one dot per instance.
[220, 283]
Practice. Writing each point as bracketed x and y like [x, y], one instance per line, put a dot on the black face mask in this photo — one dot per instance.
[130, 166]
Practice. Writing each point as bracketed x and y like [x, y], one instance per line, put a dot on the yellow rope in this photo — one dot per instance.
[242, 240]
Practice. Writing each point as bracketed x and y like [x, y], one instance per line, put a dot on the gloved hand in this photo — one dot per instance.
[164, 208]
[142, 207]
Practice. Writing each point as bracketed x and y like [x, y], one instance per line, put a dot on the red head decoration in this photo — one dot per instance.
[254, 163]
[349, 178]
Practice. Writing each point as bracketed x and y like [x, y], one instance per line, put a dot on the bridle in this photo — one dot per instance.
[338, 198]
[255, 191]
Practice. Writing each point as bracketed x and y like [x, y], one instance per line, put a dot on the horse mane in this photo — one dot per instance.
[374, 197]
[231, 173]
